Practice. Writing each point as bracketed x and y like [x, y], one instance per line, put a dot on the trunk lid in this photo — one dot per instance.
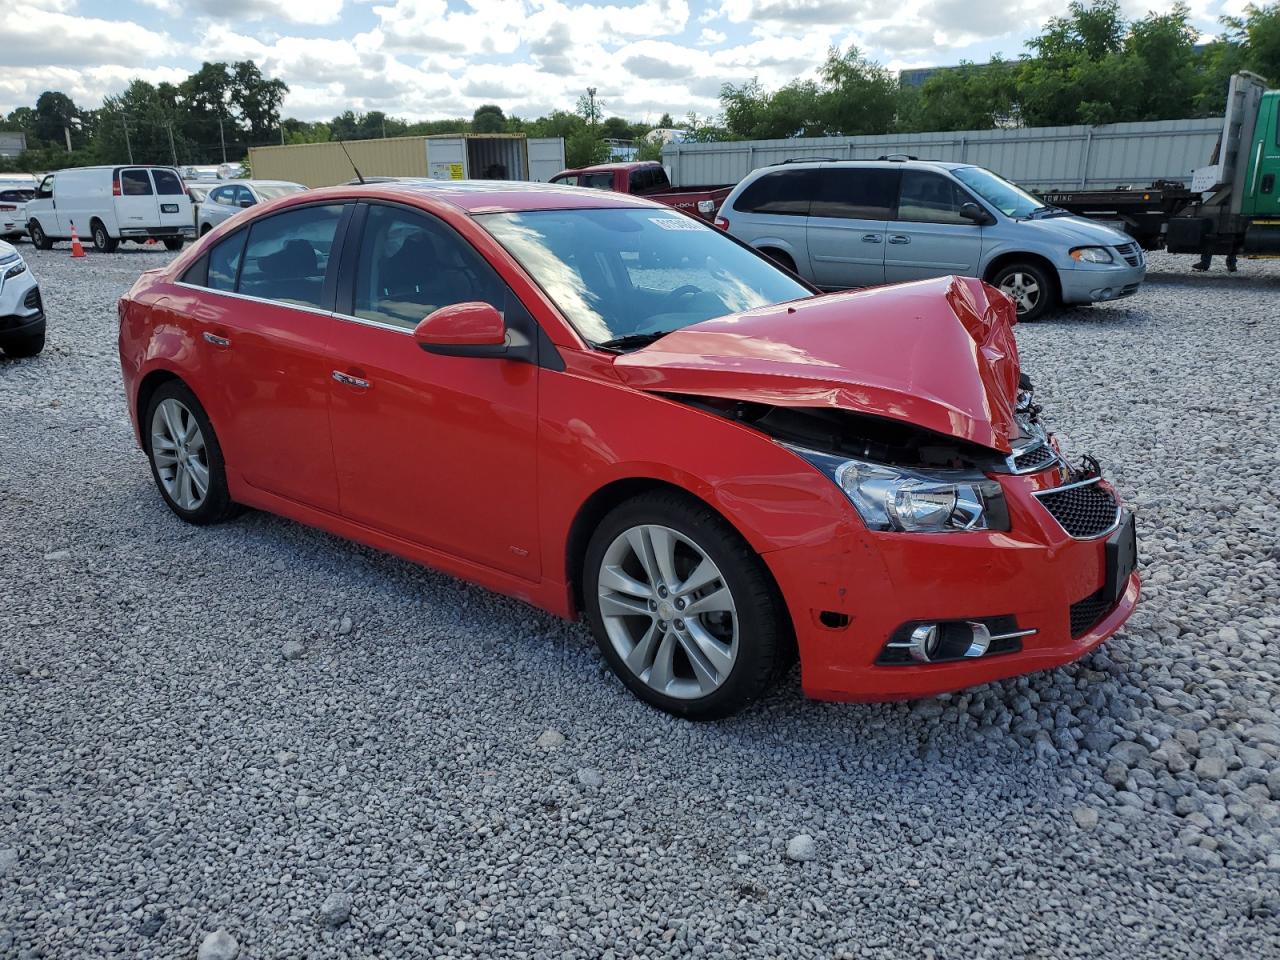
[939, 354]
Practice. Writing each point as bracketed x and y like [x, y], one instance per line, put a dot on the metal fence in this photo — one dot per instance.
[1039, 157]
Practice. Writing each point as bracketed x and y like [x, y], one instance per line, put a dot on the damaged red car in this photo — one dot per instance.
[607, 408]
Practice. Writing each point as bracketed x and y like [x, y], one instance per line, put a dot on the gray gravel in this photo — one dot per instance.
[257, 728]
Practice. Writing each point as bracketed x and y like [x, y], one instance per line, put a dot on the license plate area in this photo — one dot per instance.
[168, 208]
[1121, 558]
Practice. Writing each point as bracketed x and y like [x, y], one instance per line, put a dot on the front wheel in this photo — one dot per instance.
[683, 609]
[28, 345]
[186, 459]
[1030, 286]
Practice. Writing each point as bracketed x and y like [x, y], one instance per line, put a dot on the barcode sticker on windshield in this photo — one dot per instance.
[675, 223]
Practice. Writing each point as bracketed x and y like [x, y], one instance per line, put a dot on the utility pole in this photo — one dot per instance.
[384, 127]
[222, 139]
[124, 122]
[282, 133]
[172, 149]
[67, 133]
[591, 110]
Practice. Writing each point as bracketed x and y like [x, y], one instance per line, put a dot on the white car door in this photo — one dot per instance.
[172, 199]
[137, 207]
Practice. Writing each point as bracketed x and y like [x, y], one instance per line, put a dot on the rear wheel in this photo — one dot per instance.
[1030, 286]
[38, 237]
[103, 242]
[174, 244]
[781, 259]
[186, 460]
[683, 609]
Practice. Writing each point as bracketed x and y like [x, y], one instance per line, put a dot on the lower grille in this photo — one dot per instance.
[1131, 252]
[1084, 510]
[32, 300]
[1086, 613]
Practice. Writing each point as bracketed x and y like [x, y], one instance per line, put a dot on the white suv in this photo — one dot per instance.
[21, 310]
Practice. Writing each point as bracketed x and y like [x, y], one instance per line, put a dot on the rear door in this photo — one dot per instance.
[849, 223]
[772, 212]
[171, 196]
[546, 157]
[137, 206]
[447, 158]
[929, 238]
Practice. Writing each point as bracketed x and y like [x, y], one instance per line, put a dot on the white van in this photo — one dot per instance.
[110, 204]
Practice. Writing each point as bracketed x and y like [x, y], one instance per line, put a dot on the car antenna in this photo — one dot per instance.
[343, 145]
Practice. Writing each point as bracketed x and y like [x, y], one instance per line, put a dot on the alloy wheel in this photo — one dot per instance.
[668, 611]
[1023, 289]
[178, 449]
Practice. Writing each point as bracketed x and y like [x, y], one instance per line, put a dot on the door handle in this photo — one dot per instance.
[216, 340]
[871, 238]
[350, 381]
[899, 238]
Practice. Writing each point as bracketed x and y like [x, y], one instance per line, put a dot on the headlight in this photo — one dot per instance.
[1092, 255]
[913, 501]
[16, 269]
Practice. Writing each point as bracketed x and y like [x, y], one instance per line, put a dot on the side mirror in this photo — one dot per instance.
[472, 329]
[246, 204]
[971, 211]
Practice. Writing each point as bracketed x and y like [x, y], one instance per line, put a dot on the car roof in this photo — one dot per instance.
[493, 196]
[610, 167]
[868, 164]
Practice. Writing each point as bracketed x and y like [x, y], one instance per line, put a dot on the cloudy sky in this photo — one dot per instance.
[439, 58]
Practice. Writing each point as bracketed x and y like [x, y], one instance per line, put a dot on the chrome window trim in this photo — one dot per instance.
[1115, 523]
[319, 311]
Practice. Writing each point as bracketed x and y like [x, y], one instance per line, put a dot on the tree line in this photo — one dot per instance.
[1089, 66]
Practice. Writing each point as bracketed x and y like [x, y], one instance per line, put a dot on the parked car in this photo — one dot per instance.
[110, 204]
[225, 201]
[21, 309]
[713, 464]
[13, 210]
[859, 223]
[646, 178]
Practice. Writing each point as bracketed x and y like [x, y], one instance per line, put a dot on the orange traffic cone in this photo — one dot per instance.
[150, 240]
[76, 249]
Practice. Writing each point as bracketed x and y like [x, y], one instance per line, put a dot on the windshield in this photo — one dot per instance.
[628, 273]
[270, 191]
[1008, 198]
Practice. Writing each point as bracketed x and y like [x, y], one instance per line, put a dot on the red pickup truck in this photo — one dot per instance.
[647, 179]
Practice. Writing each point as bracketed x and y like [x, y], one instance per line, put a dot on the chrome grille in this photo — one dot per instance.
[1036, 458]
[1084, 510]
[1131, 252]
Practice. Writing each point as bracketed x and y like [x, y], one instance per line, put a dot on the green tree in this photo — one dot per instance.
[488, 118]
[56, 113]
[257, 100]
[1257, 33]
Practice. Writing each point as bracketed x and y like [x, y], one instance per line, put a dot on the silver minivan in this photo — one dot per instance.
[861, 223]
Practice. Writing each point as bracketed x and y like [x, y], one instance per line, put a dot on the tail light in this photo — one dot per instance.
[7, 206]
[722, 223]
[115, 186]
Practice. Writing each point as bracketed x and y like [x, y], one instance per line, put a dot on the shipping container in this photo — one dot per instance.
[1041, 158]
[475, 156]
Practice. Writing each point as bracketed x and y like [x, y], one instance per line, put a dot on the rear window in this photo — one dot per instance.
[787, 192]
[167, 183]
[649, 180]
[135, 183]
[288, 254]
[855, 193]
[17, 196]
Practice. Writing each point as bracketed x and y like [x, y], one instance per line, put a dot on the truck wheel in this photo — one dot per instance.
[174, 244]
[1030, 286]
[103, 242]
[38, 238]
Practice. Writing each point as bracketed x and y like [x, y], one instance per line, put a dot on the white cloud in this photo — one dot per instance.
[710, 38]
[34, 37]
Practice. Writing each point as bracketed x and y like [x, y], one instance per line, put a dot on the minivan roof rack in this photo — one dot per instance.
[898, 157]
[805, 160]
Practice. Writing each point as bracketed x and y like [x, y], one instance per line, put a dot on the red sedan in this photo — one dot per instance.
[602, 406]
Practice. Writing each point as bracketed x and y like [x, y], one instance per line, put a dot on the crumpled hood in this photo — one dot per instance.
[939, 354]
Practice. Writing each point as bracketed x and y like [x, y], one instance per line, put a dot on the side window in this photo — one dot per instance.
[224, 262]
[287, 255]
[135, 183]
[167, 183]
[599, 181]
[46, 187]
[930, 198]
[788, 192]
[242, 194]
[411, 264]
[224, 195]
[856, 193]
[569, 181]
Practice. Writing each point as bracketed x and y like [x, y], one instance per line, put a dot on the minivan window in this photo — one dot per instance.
[1008, 198]
[930, 198]
[135, 183]
[786, 192]
[855, 193]
[287, 254]
[224, 262]
[167, 183]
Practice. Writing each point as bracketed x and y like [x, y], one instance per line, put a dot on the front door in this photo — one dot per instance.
[848, 225]
[438, 450]
[929, 237]
[268, 347]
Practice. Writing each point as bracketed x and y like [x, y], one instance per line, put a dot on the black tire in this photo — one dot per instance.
[39, 239]
[25, 346]
[765, 643]
[781, 259]
[103, 242]
[1046, 283]
[217, 505]
[174, 244]
[205, 229]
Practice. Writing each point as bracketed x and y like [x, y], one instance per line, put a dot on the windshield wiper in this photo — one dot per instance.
[1047, 211]
[633, 341]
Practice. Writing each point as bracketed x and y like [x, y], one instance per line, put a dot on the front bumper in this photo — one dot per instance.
[1094, 283]
[848, 597]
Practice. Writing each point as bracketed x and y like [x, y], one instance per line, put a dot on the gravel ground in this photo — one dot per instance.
[322, 751]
